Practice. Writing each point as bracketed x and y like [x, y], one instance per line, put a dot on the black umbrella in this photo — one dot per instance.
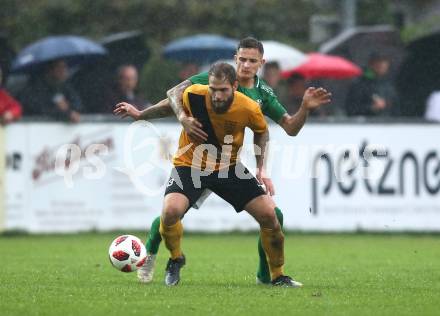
[126, 48]
[95, 81]
[357, 44]
[419, 74]
[6, 55]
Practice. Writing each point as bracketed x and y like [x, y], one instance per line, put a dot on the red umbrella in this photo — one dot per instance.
[325, 66]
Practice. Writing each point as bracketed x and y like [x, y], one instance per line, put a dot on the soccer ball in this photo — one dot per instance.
[127, 253]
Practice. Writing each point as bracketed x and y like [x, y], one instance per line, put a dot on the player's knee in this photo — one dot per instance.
[172, 213]
[268, 219]
[174, 207]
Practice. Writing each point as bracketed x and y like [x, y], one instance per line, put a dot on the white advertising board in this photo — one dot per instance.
[16, 178]
[104, 176]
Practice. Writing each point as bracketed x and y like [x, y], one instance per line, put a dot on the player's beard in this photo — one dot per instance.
[221, 107]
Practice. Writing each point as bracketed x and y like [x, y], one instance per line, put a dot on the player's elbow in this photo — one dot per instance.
[289, 125]
[171, 92]
[179, 89]
[291, 131]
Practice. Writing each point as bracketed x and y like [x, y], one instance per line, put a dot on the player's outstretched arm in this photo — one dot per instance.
[312, 99]
[158, 110]
[191, 126]
[260, 143]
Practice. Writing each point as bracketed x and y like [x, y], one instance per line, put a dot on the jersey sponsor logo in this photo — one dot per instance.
[267, 89]
[230, 127]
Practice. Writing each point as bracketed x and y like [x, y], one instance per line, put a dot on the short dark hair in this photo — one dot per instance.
[250, 42]
[378, 56]
[271, 65]
[295, 78]
[123, 67]
[50, 65]
[223, 71]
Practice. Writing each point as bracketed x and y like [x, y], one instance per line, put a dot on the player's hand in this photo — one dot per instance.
[194, 129]
[315, 97]
[60, 102]
[74, 117]
[266, 181]
[6, 118]
[379, 103]
[125, 109]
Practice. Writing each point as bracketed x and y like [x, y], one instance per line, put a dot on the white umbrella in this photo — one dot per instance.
[286, 56]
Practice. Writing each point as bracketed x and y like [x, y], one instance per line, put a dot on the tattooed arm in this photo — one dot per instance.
[192, 127]
[159, 110]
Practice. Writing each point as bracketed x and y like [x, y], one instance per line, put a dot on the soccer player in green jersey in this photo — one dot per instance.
[249, 59]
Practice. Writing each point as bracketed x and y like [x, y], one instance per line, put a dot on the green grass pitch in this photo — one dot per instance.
[342, 275]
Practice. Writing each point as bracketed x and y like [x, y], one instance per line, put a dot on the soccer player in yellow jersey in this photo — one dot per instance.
[249, 59]
[214, 165]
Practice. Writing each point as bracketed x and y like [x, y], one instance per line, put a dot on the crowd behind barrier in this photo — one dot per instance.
[51, 93]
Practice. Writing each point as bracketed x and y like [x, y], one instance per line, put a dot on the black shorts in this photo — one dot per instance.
[236, 190]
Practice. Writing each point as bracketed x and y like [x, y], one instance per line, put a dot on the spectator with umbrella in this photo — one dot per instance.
[195, 51]
[272, 76]
[125, 89]
[47, 61]
[101, 81]
[373, 93]
[297, 85]
[318, 67]
[51, 95]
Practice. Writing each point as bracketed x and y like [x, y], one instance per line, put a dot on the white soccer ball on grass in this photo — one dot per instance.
[127, 253]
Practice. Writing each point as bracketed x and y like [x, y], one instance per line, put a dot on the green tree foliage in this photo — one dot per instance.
[162, 20]
[374, 12]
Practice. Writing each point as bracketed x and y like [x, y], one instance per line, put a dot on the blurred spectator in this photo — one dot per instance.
[188, 70]
[125, 89]
[10, 109]
[51, 95]
[432, 112]
[296, 86]
[373, 93]
[272, 76]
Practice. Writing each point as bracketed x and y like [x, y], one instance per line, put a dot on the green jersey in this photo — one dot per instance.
[261, 92]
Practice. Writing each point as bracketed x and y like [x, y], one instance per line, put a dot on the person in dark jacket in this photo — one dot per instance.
[373, 93]
[125, 90]
[51, 96]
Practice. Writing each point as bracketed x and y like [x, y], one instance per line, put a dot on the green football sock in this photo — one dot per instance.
[263, 272]
[154, 237]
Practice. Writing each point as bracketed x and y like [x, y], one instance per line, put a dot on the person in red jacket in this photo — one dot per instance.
[10, 109]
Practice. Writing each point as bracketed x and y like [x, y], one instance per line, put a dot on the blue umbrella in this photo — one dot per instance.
[73, 49]
[201, 48]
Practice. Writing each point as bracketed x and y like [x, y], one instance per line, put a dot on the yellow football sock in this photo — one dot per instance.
[172, 236]
[273, 245]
